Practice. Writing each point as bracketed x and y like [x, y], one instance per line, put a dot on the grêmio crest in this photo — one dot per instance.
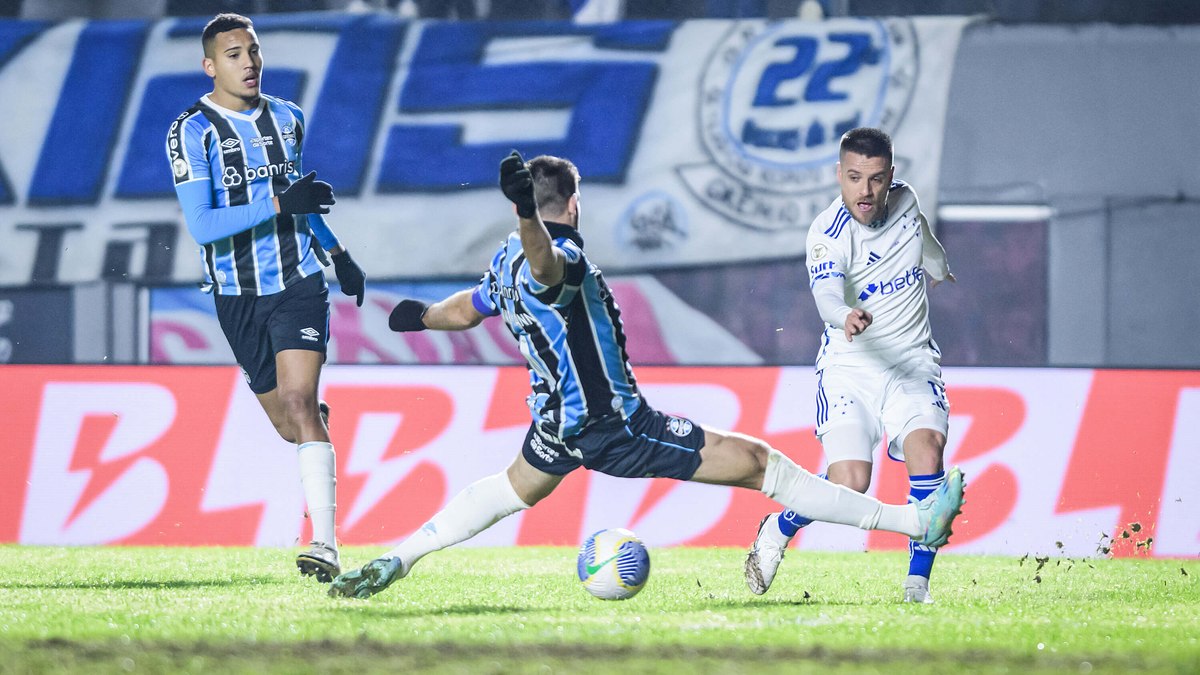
[775, 99]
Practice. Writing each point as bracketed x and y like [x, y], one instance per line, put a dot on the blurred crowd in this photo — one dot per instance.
[1015, 11]
[609, 10]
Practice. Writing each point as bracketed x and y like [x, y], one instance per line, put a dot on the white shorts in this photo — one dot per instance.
[891, 402]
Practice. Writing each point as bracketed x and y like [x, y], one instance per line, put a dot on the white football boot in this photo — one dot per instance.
[916, 589]
[765, 555]
[320, 561]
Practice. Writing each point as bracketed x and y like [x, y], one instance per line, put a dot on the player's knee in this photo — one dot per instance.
[857, 478]
[924, 446]
[297, 407]
[757, 454]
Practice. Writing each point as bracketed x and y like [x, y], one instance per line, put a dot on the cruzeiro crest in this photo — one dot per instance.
[776, 98]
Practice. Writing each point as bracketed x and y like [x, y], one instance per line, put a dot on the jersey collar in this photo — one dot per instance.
[250, 115]
[562, 231]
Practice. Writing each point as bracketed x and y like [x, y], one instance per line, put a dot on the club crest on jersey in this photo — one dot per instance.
[679, 426]
[288, 134]
[775, 100]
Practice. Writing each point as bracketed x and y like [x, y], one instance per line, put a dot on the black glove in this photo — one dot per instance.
[349, 275]
[517, 184]
[407, 316]
[307, 195]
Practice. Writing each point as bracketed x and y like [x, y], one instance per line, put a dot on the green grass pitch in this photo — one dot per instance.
[520, 610]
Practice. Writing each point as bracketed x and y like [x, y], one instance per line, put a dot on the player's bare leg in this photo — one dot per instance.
[776, 530]
[481, 505]
[735, 459]
[743, 461]
[295, 410]
[923, 450]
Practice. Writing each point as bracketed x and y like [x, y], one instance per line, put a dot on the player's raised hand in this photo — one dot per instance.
[517, 184]
[856, 322]
[307, 195]
[349, 275]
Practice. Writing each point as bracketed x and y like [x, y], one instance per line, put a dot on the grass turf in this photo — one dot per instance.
[520, 610]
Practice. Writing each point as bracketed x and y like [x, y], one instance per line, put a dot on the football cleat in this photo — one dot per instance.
[938, 510]
[321, 561]
[916, 589]
[368, 580]
[765, 555]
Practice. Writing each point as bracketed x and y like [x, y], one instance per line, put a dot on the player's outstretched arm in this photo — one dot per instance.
[547, 264]
[456, 312]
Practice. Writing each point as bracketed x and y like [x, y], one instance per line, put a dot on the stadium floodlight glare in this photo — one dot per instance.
[995, 212]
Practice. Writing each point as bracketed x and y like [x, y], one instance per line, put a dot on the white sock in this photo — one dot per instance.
[318, 475]
[818, 499]
[475, 509]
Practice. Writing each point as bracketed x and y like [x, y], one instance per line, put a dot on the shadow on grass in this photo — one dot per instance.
[126, 584]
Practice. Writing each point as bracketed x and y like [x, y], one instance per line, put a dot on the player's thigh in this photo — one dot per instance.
[731, 458]
[547, 454]
[300, 321]
[849, 423]
[242, 320]
[649, 444]
[915, 398]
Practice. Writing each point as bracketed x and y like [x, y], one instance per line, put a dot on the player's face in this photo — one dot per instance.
[236, 69]
[865, 182]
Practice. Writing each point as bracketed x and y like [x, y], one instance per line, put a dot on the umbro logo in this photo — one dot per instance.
[310, 334]
[230, 145]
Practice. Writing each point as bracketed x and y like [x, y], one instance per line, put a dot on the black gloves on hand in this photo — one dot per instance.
[349, 275]
[307, 195]
[407, 316]
[517, 184]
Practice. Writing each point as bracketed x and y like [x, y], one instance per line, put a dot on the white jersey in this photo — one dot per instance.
[878, 268]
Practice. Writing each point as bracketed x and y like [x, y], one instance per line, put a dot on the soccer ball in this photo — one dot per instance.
[613, 564]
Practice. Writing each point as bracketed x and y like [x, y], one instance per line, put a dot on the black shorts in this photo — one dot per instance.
[259, 326]
[647, 445]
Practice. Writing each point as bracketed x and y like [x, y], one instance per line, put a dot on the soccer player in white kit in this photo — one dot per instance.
[878, 372]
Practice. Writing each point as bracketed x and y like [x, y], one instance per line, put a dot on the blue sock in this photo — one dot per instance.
[790, 522]
[920, 558]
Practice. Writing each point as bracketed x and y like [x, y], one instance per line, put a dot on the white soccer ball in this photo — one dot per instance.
[613, 564]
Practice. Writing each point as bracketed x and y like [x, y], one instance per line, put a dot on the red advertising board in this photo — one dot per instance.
[1056, 460]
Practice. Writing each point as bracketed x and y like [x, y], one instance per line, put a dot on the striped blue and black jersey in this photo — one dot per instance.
[570, 335]
[228, 166]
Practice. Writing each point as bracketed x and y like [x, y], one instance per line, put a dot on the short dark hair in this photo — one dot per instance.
[868, 142]
[554, 181]
[222, 23]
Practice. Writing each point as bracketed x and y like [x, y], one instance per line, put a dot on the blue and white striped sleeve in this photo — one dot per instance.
[560, 294]
[194, 188]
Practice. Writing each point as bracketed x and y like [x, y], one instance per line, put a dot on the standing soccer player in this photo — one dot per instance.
[586, 407]
[878, 369]
[236, 158]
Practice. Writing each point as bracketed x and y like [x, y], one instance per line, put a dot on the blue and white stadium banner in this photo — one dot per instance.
[699, 142]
